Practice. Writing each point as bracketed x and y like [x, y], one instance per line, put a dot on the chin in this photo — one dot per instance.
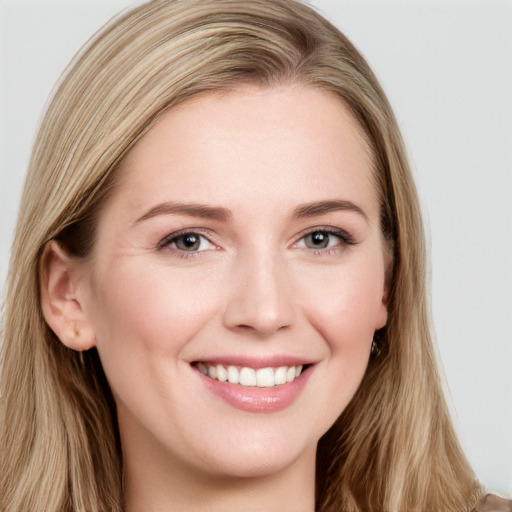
[259, 462]
[258, 452]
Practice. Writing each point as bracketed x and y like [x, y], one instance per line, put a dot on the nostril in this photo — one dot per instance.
[259, 331]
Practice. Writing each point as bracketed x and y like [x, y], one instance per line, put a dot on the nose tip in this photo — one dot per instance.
[262, 322]
[261, 301]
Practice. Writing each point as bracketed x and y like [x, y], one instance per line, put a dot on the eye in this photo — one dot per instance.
[187, 242]
[320, 240]
[324, 239]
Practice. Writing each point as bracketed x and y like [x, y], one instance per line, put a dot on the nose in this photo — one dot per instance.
[260, 302]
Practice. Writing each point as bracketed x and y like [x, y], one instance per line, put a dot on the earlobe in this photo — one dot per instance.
[382, 316]
[385, 296]
[386, 291]
[60, 301]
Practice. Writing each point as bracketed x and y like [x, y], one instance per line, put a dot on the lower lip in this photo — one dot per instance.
[254, 399]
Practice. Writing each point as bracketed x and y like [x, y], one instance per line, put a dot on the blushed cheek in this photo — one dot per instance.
[151, 312]
[347, 311]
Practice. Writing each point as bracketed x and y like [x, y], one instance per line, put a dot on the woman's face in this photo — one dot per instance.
[242, 241]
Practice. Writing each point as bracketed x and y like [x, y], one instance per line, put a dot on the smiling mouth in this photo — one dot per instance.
[268, 377]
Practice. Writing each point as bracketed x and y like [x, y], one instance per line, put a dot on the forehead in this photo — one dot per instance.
[250, 143]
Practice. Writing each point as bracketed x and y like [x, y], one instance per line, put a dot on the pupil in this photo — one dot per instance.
[319, 239]
[190, 241]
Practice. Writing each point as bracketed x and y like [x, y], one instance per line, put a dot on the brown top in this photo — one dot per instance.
[494, 503]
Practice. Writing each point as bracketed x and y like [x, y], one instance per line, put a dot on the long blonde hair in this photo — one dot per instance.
[394, 448]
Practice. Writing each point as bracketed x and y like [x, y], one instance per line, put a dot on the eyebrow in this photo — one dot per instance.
[219, 213]
[190, 209]
[322, 207]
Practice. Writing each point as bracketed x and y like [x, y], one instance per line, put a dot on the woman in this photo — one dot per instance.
[217, 296]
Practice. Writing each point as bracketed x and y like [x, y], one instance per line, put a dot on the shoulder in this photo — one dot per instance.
[495, 503]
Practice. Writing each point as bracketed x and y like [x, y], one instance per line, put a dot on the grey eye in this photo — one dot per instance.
[317, 240]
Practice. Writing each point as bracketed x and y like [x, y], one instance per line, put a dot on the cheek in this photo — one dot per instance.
[348, 306]
[345, 311]
[147, 312]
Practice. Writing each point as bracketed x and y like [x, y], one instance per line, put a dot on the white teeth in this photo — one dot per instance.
[265, 378]
[233, 375]
[280, 376]
[222, 374]
[249, 377]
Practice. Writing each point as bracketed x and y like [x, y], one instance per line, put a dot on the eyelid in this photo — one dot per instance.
[343, 243]
[343, 235]
[168, 239]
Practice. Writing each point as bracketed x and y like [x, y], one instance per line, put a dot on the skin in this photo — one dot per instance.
[255, 286]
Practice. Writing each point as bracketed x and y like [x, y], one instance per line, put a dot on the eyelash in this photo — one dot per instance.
[165, 243]
[344, 238]
[341, 235]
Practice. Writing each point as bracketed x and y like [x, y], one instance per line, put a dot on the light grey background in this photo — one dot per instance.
[447, 68]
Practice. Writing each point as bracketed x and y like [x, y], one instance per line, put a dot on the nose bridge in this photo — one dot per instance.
[261, 299]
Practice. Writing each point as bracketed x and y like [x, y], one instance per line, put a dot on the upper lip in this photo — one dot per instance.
[274, 360]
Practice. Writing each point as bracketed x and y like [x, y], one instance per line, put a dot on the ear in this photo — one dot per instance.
[382, 316]
[59, 283]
